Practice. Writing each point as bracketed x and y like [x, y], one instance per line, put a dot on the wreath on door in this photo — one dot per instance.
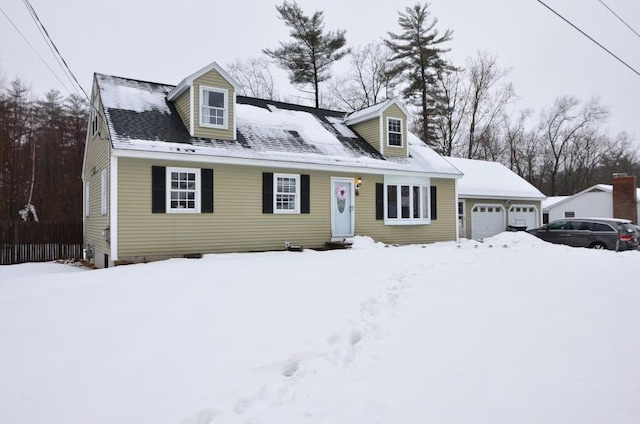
[341, 196]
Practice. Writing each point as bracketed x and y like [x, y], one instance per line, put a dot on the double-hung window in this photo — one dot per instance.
[214, 107]
[183, 190]
[394, 132]
[286, 193]
[407, 202]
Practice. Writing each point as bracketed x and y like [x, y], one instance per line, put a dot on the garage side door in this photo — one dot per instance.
[521, 215]
[486, 220]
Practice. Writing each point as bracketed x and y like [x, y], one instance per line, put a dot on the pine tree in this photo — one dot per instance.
[417, 57]
[310, 54]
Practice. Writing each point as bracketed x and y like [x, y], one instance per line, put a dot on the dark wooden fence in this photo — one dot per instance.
[39, 241]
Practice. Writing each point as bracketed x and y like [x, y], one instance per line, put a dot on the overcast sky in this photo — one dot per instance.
[165, 41]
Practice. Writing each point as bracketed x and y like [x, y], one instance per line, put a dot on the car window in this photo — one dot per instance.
[626, 228]
[558, 225]
[579, 225]
[599, 227]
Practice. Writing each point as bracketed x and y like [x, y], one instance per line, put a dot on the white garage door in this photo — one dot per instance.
[523, 215]
[486, 220]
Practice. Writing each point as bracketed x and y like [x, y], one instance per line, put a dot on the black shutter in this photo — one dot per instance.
[379, 201]
[158, 187]
[305, 195]
[434, 203]
[206, 190]
[267, 192]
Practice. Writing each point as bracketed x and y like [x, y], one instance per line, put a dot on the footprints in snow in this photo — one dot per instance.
[341, 351]
[290, 368]
[206, 416]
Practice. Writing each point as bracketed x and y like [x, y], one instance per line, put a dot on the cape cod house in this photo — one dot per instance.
[171, 171]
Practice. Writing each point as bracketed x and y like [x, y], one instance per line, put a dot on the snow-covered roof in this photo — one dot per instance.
[140, 118]
[607, 188]
[188, 81]
[552, 201]
[373, 111]
[485, 179]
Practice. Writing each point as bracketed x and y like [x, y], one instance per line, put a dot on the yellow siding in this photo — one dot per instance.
[183, 105]
[441, 229]
[230, 228]
[97, 158]
[394, 111]
[238, 223]
[469, 203]
[215, 80]
[370, 131]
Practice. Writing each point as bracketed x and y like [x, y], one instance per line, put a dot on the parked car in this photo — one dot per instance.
[596, 233]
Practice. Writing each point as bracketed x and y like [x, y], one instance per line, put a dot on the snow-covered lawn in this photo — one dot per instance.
[510, 331]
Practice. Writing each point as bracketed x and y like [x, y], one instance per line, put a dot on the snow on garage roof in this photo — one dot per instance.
[485, 179]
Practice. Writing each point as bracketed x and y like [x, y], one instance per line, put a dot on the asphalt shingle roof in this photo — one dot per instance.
[140, 117]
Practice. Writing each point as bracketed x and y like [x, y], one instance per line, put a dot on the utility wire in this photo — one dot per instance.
[589, 37]
[42, 33]
[619, 18]
[64, 65]
[34, 50]
[35, 15]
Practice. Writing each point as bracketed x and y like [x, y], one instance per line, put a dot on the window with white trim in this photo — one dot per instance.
[286, 193]
[183, 190]
[407, 204]
[394, 132]
[213, 107]
[103, 192]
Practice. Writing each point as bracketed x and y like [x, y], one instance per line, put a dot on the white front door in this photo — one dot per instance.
[342, 207]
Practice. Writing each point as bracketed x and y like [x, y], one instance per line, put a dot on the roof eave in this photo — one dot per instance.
[499, 197]
[191, 157]
[376, 113]
[362, 118]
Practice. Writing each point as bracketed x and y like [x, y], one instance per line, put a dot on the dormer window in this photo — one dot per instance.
[394, 132]
[214, 107]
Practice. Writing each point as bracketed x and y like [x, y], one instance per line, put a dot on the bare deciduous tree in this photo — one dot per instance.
[450, 113]
[564, 124]
[368, 81]
[254, 76]
[487, 98]
[523, 147]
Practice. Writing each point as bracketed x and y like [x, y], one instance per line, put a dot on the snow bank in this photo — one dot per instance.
[365, 242]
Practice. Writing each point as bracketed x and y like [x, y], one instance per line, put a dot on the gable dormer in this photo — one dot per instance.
[384, 126]
[206, 102]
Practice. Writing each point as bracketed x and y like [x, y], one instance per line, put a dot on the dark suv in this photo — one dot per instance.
[596, 233]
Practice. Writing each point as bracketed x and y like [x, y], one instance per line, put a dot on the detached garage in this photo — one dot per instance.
[491, 198]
